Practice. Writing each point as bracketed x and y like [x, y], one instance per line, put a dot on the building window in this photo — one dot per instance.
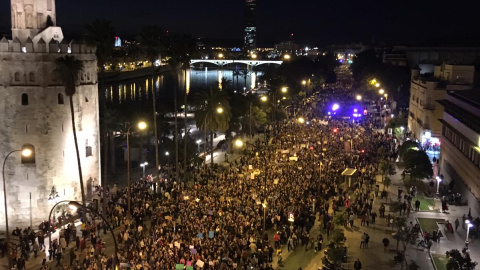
[17, 76]
[24, 99]
[31, 76]
[88, 149]
[86, 99]
[60, 98]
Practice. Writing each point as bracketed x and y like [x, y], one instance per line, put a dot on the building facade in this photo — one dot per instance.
[424, 114]
[35, 110]
[460, 151]
[250, 34]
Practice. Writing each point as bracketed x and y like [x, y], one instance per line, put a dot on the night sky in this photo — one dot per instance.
[312, 22]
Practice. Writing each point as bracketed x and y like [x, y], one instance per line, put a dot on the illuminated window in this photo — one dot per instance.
[24, 99]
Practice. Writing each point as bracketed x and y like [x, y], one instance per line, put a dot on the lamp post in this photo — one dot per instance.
[143, 165]
[239, 143]
[469, 225]
[439, 180]
[141, 126]
[168, 162]
[26, 152]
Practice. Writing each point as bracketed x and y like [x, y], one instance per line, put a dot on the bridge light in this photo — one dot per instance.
[254, 56]
[220, 55]
[286, 56]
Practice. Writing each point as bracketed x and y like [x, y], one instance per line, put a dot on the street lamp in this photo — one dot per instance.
[143, 165]
[381, 91]
[386, 96]
[377, 84]
[469, 225]
[439, 180]
[304, 82]
[220, 55]
[359, 97]
[27, 152]
[239, 143]
[254, 56]
[286, 57]
[220, 110]
[264, 98]
[301, 120]
[140, 126]
[284, 89]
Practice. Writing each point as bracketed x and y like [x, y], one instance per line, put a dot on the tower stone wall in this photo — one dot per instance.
[35, 110]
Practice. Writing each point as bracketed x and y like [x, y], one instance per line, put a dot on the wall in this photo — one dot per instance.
[46, 125]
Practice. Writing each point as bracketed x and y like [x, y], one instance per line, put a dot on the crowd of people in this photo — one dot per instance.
[236, 217]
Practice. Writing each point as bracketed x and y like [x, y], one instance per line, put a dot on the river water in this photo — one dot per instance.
[138, 90]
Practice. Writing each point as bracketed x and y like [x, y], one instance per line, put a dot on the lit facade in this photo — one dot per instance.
[460, 151]
[423, 112]
[35, 110]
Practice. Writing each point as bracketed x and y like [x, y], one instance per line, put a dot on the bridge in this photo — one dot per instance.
[222, 62]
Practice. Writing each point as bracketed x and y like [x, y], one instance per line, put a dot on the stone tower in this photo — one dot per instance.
[35, 110]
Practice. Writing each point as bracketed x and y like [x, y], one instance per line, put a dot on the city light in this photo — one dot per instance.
[254, 56]
[142, 125]
[220, 55]
[377, 85]
[301, 120]
[239, 143]
[335, 107]
[26, 152]
[286, 56]
[264, 98]
[220, 110]
[359, 97]
[284, 89]
[304, 82]
[381, 91]
[167, 153]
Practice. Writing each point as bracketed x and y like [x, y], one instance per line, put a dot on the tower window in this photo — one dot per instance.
[88, 149]
[60, 98]
[24, 99]
[17, 76]
[31, 76]
[86, 99]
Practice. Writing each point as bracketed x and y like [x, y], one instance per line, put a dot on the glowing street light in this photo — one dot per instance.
[264, 98]
[286, 57]
[254, 56]
[335, 107]
[373, 81]
[220, 55]
[239, 143]
[381, 91]
[301, 120]
[220, 110]
[469, 225]
[284, 89]
[377, 84]
[141, 126]
[143, 165]
[359, 97]
[304, 82]
[439, 180]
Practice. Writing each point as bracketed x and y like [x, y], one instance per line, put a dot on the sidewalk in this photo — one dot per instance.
[449, 241]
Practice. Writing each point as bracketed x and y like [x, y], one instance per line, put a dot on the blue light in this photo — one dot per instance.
[335, 107]
[329, 113]
[355, 110]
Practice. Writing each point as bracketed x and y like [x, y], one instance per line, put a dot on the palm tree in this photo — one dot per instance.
[151, 39]
[100, 34]
[179, 50]
[207, 115]
[69, 69]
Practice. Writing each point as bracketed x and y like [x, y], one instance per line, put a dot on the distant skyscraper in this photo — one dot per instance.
[250, 26]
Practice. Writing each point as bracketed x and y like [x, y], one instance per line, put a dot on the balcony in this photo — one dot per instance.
[428, 106]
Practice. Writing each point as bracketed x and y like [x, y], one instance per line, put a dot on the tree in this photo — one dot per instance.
[418, 164]
[100, 34]
[407, 146]
[386, 183]
[459, 260]
[208, 115]
[180, 49]
[69, 70]
[395, 207]
[151, 39]
[336, 251]
[407, 237]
